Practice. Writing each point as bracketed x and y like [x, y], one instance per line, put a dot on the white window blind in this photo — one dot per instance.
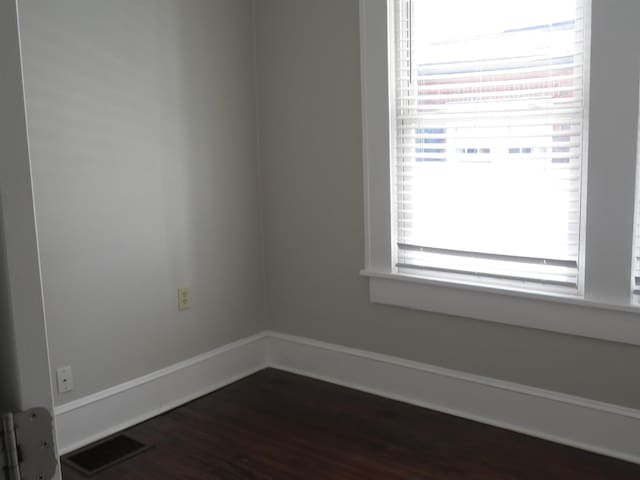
[635, 264]
[488, 138]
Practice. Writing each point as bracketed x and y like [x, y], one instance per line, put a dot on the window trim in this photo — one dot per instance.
[603, 309]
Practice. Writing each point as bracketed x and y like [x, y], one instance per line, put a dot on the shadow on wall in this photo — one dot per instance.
[8, 366]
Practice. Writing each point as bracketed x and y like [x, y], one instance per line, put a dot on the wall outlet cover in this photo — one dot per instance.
[65, 379]
[184, 298]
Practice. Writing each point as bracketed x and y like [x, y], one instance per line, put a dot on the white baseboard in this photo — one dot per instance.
[589, 425]
[96, 416]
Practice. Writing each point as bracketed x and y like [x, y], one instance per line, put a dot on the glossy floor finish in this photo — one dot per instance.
[275, 425]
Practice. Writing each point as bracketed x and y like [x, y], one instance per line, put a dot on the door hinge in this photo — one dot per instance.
[26, 446]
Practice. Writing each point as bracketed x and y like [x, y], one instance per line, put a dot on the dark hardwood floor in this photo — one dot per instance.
[275, 425]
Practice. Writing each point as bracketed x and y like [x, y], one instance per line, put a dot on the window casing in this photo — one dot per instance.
[602, 306]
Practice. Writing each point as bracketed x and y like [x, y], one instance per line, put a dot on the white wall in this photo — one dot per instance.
[142, 129]
[309, 78]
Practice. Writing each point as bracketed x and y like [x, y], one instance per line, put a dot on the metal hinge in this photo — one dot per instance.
[26, 446]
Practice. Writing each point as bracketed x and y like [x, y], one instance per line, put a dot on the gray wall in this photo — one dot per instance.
[145, 162]
[12, 123]
[24, 368]
[309, 90]
[9, 386]
[143, 134]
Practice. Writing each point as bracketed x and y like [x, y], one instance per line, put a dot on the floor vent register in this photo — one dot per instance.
[104, 454]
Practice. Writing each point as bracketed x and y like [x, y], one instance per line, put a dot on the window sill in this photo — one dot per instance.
[568, 314]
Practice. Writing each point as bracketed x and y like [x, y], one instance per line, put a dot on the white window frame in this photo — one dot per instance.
[603, 309]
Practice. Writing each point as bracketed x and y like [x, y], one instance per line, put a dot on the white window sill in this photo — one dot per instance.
[569, 314]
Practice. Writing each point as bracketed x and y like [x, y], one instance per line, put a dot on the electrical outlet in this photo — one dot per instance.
[184, 298]
[65, 379]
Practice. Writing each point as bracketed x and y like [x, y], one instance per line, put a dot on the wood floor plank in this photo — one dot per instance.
[279, 426]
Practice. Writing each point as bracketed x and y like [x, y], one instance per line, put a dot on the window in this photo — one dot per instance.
[635, 270]
[500, 143]
[500, 200]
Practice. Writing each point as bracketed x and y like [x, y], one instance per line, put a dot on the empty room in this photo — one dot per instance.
[319, 239]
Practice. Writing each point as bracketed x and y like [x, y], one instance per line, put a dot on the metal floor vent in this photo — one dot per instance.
[99, 456]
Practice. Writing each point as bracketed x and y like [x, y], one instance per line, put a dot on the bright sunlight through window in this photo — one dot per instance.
[488, 139]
